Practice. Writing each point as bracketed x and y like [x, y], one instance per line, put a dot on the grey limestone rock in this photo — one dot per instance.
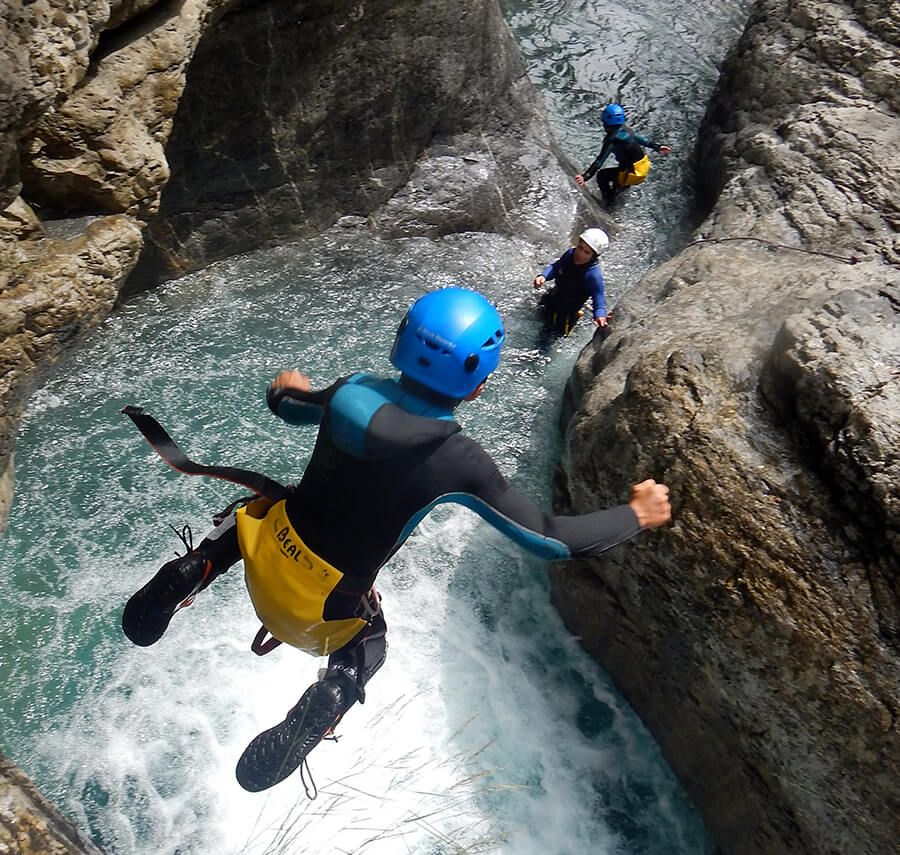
[756, 373]
[417, 116]
[87, 97]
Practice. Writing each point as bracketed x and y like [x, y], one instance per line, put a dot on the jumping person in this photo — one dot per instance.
[627, 147]
[578, 276]
[387, 451]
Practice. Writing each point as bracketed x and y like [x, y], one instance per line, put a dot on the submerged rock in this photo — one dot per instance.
[756, 373]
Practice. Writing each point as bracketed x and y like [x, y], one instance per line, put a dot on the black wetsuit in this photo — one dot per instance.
[575, 283]
[627, 148]
[383, 458]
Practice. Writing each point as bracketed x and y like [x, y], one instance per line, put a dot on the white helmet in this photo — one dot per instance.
[596, 239]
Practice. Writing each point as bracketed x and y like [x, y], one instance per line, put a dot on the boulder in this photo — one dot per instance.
[417, 116]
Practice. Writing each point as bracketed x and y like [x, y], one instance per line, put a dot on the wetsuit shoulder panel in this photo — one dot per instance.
[371, 417]
[393, 431]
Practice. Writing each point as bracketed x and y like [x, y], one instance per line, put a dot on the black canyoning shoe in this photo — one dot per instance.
[148, 612]
[280, 750]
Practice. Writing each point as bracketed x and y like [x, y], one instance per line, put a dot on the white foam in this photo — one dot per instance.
[470, 739]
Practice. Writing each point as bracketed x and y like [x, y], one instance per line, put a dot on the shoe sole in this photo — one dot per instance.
[279, 751]
[147, 614]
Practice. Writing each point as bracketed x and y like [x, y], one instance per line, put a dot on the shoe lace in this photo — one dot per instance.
[186, 536]
[312, 791]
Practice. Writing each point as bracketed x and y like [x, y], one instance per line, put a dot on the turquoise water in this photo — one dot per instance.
[488, 730]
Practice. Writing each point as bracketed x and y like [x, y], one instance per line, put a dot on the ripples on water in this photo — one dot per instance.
[488, 730]
[661, 59]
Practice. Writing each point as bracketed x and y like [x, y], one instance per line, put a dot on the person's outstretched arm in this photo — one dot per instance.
[648, 143]
[289, 396]
[552, 536]
[598, 161]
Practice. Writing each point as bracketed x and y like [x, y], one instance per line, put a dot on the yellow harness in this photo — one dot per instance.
[636, 174]
[288, 583]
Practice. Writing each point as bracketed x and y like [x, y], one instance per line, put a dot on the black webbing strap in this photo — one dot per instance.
[165, 447]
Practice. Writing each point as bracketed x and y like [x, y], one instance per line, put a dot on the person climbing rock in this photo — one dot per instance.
[577, 277]
[627, 148]
[388, 450]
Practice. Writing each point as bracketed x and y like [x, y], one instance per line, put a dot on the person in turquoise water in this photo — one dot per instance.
[577, 277]
[387, 452]
[628, 149]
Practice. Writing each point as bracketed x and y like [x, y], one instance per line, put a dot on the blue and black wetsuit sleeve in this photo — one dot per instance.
[598, 161]
[596, 287]
[300, 408]
[516, 516]
[646, 142]
[559, 266]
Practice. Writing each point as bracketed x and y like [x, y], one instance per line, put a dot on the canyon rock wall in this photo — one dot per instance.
[757, 373]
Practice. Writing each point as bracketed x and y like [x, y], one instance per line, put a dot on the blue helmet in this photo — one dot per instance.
[449, 341]
[613, 115]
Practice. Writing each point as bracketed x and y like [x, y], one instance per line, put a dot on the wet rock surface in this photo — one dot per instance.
[29, 824]
[415, 115]
[756, 373]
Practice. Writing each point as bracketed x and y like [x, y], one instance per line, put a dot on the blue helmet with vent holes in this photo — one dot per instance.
[612, 115]
[449, 341]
